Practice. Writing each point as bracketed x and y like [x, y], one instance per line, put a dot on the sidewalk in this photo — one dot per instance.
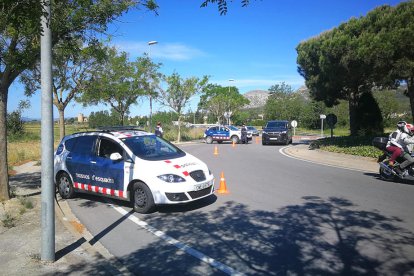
[346, 161]
[75, 254]
[21, 244]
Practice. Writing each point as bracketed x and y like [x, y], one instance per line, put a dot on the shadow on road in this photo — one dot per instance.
[318, 237]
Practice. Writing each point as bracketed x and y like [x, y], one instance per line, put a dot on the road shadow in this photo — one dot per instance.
[320, 236]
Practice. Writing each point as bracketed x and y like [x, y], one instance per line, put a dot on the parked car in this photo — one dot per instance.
[253, 130]
[277, 132]
[224, 133]
[132, 165]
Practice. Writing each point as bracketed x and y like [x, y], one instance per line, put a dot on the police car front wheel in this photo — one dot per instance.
[142, 199]
[65, 187]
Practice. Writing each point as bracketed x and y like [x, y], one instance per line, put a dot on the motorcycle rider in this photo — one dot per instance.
[407, 143]
[393, 145]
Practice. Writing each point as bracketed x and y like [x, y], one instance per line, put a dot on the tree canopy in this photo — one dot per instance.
[216, 100]
[178, 93]
[349, 61]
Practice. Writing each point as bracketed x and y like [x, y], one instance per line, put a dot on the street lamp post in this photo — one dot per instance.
[152, 42]
[229, 112]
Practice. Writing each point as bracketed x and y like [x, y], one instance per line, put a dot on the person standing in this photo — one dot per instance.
[244, 134]
[158, 130]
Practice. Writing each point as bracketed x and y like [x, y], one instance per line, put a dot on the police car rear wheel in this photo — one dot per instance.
[65, 186]
[142, 198]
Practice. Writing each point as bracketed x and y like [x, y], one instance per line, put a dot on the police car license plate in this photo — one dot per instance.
[202, 186]
[273, 138]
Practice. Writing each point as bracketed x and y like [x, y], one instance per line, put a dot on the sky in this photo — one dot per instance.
[255, 46]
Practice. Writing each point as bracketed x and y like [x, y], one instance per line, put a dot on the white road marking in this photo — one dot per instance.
[182, 246]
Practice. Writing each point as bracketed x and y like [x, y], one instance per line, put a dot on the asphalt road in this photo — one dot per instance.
[281, 216]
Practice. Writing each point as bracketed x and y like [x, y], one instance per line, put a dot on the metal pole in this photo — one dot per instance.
[322, 127]
[150, 96]
[48, 187]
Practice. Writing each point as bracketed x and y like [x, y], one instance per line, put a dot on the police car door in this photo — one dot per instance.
[78, 160]
[107, 173]
[225, 133]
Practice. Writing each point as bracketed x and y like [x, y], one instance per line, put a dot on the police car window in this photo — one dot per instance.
[69, 144]
[107, 147]
[151, 147]
[84, 144]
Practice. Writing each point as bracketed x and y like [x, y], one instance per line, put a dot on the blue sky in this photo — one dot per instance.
[254, 45]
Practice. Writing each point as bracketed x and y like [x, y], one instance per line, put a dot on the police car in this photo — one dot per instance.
[132, 165]
[224, 133]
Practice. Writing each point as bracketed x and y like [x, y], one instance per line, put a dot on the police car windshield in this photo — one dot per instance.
[233, 128]
[151, 147]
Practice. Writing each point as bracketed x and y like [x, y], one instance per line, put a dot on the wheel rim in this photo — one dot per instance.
[140, 198]
[64, 185]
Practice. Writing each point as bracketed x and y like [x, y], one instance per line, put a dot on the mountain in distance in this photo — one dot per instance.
[257, 98]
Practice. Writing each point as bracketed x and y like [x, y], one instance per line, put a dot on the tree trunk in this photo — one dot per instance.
[4, 174]
[61, 122]
[353, 116]
[179, 129]
[410, 92]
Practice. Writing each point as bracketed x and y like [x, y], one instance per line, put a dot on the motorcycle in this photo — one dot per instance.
[386, 171]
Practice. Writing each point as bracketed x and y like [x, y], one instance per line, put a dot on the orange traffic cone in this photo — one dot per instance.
[233, 144]
[222, 189]
[257, 140]
[215, 150]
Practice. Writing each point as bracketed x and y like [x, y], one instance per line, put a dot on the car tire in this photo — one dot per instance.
[235, 139]
[209, 140]
[65, 186]
[142, 199]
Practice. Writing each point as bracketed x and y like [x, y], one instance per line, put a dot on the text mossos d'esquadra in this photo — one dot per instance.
[95, 178]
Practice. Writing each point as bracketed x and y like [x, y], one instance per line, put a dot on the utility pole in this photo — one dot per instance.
[48, 187]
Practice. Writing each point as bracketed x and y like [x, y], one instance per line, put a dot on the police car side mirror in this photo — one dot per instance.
[115, 156]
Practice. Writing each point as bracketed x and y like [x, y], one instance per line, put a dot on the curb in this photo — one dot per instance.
[64, 213]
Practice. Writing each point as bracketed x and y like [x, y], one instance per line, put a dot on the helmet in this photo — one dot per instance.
[401, 126]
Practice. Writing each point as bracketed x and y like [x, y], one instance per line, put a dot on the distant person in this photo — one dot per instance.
[158, 130]
[244, 134]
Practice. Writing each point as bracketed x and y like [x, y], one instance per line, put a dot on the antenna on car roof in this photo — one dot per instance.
[117, 128]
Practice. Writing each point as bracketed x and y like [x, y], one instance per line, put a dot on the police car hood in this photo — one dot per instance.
[180, 166]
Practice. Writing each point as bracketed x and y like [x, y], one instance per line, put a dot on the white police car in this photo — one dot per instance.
[130, 164]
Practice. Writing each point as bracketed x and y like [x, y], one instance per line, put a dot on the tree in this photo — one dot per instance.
[391, 47]
[73, 68]
[334, 68]
[283, 103]
[102, 118]
[20, 44]
[217, 100]
[15, 124]
[222, 5]
[119, 82]
[179, 93]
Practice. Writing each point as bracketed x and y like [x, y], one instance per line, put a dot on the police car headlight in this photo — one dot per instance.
[264, 132]
[171, 178]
